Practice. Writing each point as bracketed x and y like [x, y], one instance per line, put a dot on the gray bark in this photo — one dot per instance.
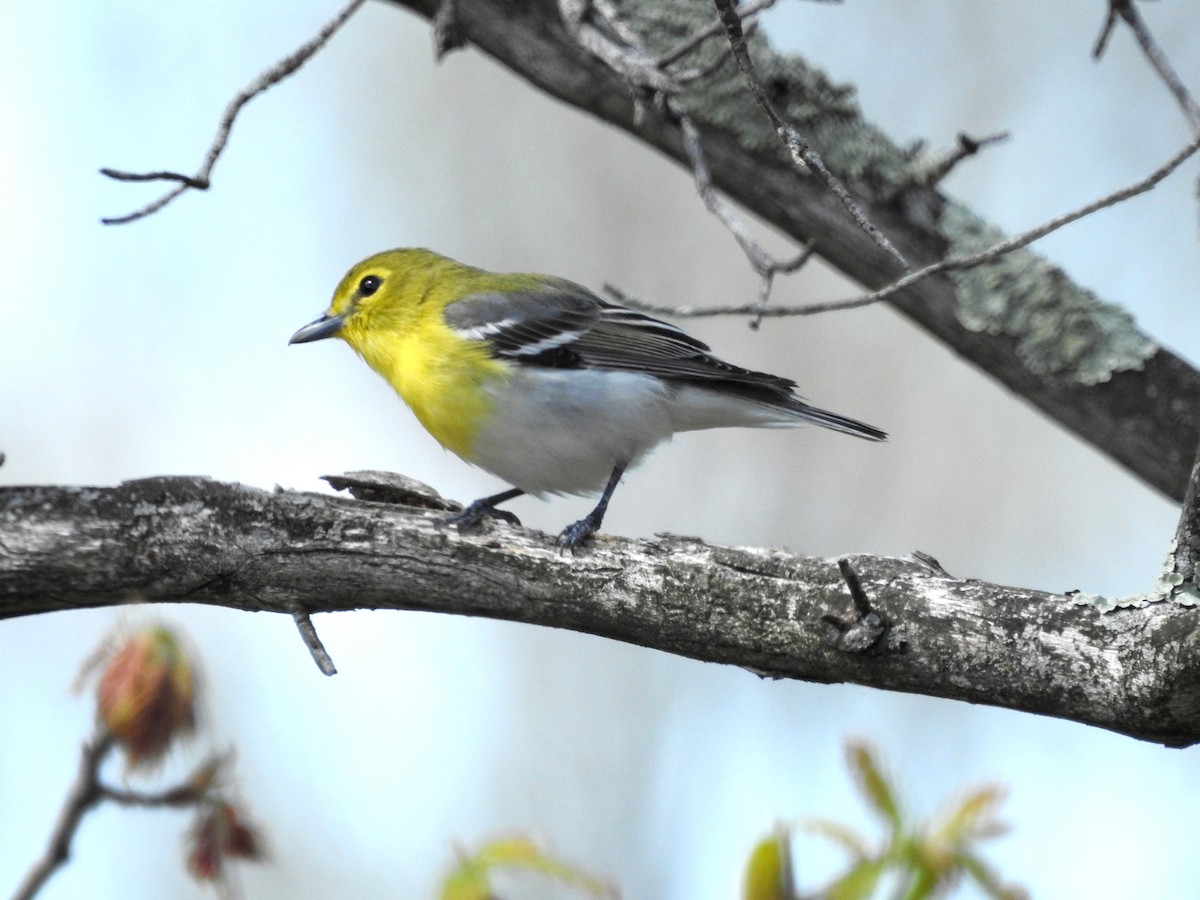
[1134, 671]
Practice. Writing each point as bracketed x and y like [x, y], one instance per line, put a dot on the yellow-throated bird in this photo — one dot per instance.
[539, 381]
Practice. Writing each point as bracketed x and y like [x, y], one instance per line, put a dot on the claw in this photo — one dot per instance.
[578, 533]
[485, 508]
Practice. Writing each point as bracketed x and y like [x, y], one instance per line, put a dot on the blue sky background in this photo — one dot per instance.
[161, 348]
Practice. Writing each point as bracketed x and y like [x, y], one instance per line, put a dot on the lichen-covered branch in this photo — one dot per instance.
[1134, 671]
[1081, 360]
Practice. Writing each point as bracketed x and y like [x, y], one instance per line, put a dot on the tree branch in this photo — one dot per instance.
[1134, 671]
[203, 177]
[1080, 360]
[802, 152]
[948, 264]
[85, 793]
[1154, 53]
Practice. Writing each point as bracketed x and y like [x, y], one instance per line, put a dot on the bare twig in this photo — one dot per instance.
[308, 632]
[762, 262]
[613, 47]
[748, 12]
[202, 179]
[932, 174]
[802, 153]
[89, 791]
[617, 46]
[181, 795]
[953, 263]
[688, 76]
[1154, 52]
[1106, 30]
[967, 146]
[85, 793]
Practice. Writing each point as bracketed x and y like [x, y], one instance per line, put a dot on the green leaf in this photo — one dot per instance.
[971, 819]
[769, 868]
[872, 783]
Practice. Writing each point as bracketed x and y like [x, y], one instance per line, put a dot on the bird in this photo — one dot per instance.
[541, 382]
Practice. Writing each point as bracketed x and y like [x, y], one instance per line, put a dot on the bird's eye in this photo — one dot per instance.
[369, 285]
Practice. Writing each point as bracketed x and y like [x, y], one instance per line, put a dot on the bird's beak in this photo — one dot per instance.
[325, 327]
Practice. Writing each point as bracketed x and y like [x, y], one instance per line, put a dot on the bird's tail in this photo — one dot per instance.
[844, 424]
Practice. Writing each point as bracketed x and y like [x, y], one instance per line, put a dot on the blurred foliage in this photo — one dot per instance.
[146, 700]
[769, 869]
[913, 861]
[471, 877]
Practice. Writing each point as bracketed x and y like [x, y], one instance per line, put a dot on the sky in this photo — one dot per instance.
[160, 347]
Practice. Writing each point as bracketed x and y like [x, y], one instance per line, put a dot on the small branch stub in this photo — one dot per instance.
[869, 625]
[308, 633]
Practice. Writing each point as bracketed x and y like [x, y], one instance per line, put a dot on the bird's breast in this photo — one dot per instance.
[444, 384]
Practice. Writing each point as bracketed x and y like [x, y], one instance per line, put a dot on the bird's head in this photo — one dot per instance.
[384, 294]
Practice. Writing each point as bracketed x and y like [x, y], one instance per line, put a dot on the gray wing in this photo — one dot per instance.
[559, 324]
[564, 325]
[535, 327]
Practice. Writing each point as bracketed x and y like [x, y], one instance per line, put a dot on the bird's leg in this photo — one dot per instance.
[481, 509]
[574, 535]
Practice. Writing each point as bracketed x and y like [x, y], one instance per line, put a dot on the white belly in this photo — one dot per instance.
[562, 431]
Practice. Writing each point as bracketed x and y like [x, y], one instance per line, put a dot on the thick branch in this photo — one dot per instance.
[1079, 360]
[1135, 671]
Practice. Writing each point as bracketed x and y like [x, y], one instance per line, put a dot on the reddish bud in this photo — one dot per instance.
[219, 834]
[146, 694]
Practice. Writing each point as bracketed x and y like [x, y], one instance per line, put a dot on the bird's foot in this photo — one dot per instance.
[580, 532]
[471, 517]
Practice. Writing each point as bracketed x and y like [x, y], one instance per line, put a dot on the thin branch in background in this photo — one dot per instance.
[967, 146]
[202, 179]
[786, 267]
[175, 797]
[614, 18]
[748, 12]
[1110, 22]
[624, 59]
[1125, 10]
[616, 45]
[85, 793]
[763, 263]
[802, 153]
[687, 76]
[308, 632]
[953, 263]
[997, 250]
[933, 173]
